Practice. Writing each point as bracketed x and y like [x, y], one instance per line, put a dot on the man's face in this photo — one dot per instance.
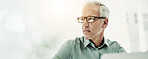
[91, 30]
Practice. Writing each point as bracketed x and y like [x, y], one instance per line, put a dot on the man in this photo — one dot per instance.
[93, 44]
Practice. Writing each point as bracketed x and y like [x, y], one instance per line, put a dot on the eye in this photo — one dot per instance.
[90, 19]
[80, 19]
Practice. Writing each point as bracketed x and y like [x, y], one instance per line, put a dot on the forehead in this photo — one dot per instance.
[91, 10]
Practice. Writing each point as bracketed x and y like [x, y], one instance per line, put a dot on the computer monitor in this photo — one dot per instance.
[141, 55]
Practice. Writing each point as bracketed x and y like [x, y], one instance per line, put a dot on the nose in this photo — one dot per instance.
[85, 24]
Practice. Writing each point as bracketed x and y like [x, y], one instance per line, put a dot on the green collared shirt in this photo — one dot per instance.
[81, 48]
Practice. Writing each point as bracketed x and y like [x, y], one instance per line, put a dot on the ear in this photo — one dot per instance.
[105, 23]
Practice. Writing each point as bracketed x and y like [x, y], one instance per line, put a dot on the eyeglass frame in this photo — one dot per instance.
[90, 16]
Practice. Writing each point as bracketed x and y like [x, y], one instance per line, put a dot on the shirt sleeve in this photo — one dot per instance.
[65, 51]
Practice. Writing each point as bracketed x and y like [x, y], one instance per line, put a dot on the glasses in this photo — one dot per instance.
[89, 19]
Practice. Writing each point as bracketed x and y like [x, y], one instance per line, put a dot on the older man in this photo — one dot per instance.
[93, 44]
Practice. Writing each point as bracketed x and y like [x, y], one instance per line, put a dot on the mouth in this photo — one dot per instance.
[86, 31]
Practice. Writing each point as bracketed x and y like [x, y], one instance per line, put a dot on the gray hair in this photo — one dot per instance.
[104, 11]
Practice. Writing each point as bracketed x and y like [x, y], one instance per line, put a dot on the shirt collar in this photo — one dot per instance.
[106, 42]
[87, 42]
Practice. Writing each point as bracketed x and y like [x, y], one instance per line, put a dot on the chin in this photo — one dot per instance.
[87, 37]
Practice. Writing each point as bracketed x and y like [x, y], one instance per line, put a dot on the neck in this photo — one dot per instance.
[97, 40]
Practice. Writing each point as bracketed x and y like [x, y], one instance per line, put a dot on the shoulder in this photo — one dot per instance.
[114, 45]
[66, 50]
[75, 41]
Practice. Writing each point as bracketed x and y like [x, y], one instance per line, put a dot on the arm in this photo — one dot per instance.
[65, 51]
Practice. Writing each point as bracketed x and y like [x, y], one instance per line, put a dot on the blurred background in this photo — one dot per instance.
[35, 29]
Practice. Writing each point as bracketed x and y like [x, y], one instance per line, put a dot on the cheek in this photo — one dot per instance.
[96, 28]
